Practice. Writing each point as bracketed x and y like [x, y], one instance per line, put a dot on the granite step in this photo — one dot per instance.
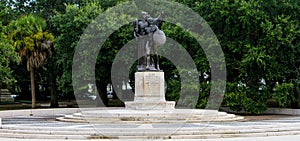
[136, 133]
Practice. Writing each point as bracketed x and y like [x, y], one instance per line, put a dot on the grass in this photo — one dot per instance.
[14, 106]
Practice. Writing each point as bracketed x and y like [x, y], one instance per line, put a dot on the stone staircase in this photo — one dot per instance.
[122, 116]
[146, 132]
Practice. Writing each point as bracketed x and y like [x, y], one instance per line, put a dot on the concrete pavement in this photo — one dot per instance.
[40, 124]
[275, 138]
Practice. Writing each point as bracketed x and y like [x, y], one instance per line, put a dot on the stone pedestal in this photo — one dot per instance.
[149, 107]
[150, 92]
[5, 96]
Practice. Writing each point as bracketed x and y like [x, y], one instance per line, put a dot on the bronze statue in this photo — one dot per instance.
[149, 37]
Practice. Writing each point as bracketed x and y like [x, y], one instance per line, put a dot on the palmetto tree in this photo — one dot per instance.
[32, 43]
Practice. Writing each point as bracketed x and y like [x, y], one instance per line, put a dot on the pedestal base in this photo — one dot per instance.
[139, 105]
[149, 92]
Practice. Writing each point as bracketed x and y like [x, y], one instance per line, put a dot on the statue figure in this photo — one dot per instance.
[149, 37]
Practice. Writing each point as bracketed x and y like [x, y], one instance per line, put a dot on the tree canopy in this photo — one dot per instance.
[259, 38]
[7, 57]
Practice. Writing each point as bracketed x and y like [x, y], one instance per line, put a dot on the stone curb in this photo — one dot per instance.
[279, 111]
[272, 111]
[41, 112]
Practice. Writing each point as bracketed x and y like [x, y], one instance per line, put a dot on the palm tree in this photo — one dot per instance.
[32, 43]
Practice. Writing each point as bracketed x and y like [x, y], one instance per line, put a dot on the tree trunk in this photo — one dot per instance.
[0, 91]
[102, 100]
[33, 100]
[54, 101]
[296, 102]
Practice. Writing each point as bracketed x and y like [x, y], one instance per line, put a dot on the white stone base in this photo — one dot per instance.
[150, 105]
[149, 92]
[5, 96]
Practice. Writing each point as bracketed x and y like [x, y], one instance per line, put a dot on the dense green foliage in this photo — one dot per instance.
[261, 43]
[260, 40]
[74, 20]
[7, 56]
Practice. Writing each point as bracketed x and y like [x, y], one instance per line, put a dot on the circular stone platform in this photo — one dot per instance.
[150, 116]
[42, 124]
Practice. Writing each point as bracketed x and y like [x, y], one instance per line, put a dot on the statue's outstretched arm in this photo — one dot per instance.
[160, 16]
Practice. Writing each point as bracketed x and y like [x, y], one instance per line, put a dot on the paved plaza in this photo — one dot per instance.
[42, 124]
[275, 138]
